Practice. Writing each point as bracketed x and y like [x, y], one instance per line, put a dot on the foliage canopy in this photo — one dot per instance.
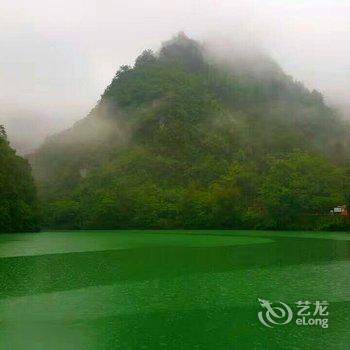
[180, 140]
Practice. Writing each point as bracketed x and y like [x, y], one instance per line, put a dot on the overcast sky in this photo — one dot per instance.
[57, 56]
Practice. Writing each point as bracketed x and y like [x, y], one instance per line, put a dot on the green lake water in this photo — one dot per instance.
[170, 289]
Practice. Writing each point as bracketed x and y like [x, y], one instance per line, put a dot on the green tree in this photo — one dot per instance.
[301, 184]
[18, 201]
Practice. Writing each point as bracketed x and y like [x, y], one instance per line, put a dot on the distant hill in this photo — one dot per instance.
[187, 139]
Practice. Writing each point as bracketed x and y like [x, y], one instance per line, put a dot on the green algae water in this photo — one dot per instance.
[171, 289]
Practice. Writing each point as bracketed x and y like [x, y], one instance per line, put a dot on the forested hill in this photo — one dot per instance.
[19, 210]
[187, 139]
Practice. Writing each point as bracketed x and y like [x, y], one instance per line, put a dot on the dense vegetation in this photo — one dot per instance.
[184, 139]
[18, 200]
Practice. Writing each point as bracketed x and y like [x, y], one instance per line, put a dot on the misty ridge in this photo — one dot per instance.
[238, 53]
[198, 135]
[234, 58]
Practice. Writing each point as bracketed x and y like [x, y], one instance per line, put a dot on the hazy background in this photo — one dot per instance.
[57, 57]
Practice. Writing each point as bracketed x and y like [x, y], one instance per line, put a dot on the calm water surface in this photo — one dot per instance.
[170, 289]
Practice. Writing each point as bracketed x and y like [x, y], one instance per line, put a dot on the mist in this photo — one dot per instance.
[57, 57]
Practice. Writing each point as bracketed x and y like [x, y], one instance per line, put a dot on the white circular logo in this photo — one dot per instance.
[274, 314]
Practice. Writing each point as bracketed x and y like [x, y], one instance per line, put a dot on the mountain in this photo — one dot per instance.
[19, 207]
[186, 138]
